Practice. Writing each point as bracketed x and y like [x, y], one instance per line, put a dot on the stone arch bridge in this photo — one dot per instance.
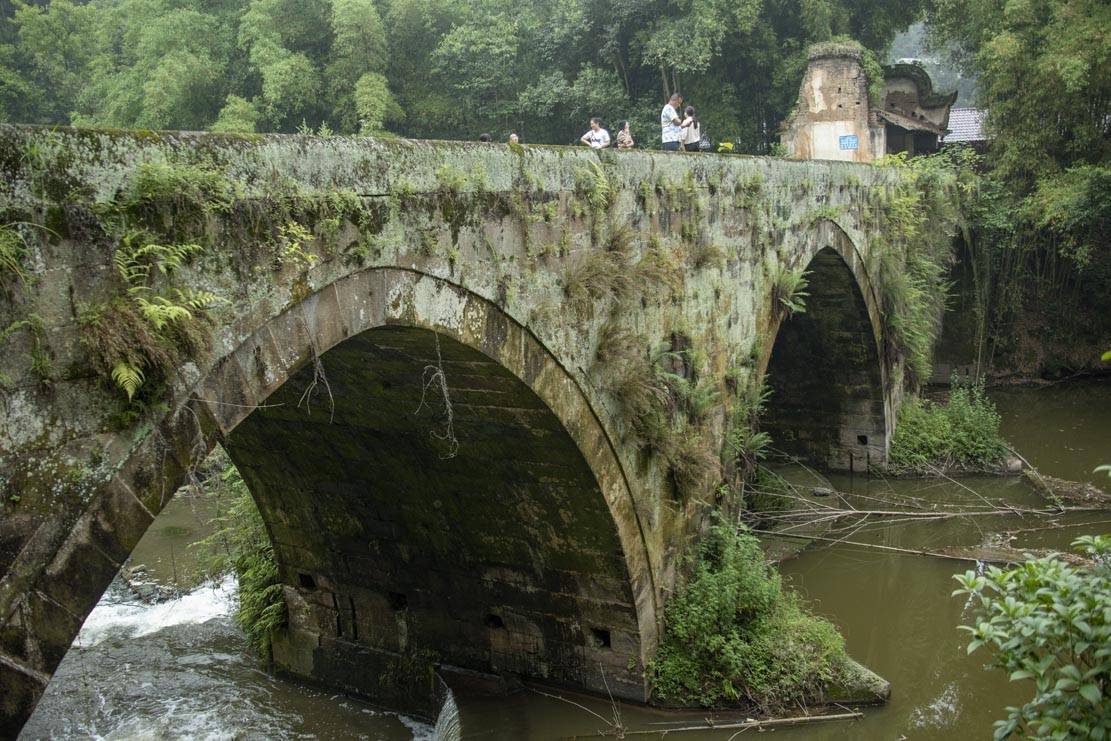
[598, 321]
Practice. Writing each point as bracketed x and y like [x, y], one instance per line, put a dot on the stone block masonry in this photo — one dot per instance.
[530, 521]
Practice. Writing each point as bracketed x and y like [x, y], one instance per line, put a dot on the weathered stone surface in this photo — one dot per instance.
[548, 545]
[833, 104]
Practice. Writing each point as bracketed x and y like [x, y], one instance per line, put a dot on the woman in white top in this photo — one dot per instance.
[692, 131]
[597, 137]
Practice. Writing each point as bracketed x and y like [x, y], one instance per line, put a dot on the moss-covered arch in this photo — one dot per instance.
[830, 399]
[609, 615]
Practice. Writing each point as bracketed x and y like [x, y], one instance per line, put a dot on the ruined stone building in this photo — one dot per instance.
[835, 119]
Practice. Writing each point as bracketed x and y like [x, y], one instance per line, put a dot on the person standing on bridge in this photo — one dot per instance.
[597, 137]
[624, 136]
[670, 123]
[692, 130]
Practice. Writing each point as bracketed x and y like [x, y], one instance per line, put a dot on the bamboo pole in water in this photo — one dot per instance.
[741, 726]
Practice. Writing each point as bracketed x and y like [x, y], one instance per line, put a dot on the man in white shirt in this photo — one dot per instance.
[597, 137]
[670, 123]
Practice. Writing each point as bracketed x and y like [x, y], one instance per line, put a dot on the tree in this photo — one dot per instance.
[49, 60]
[359, 50]
[1044, 77]
[374, 104]
[478, 61]
[1049, 622]
[238, 115]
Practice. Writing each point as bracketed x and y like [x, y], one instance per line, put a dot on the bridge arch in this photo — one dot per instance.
[548, 577]
[830, 403]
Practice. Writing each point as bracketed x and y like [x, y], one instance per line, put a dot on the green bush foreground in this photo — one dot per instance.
[735, 636]
[1049, 622]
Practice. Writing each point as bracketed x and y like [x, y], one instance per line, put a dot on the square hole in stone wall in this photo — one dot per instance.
[398, 602]
[862, 439]
[600, 638]
[306, 580]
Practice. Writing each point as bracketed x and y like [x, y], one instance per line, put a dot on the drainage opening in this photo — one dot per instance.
[494, 621]
[306, 580]
[862, 439]
[398, 602]
[600, 637]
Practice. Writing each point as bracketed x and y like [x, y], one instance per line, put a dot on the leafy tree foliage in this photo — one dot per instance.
[424, 68]
[1049, 622]
[1043, 239]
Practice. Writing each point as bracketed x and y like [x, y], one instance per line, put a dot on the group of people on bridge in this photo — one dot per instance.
[675, 131]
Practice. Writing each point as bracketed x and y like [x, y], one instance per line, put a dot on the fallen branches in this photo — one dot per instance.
[1060, 490]
[1004, 511]
[997, 554]
[740, 727]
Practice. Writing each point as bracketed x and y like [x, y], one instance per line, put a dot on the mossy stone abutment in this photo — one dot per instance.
[298, 300]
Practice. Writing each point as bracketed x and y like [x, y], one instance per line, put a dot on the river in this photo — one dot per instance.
[180, 668]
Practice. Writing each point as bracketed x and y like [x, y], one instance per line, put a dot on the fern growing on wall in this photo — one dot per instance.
[789, 292]
[141, 333]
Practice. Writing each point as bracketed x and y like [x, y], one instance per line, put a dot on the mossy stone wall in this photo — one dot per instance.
[531, 258]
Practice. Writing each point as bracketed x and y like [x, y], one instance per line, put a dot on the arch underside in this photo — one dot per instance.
[827, 403]
[500, 558]
[521, 554]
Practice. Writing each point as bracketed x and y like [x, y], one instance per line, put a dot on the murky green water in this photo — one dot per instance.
[180, 669]
[1064, 429]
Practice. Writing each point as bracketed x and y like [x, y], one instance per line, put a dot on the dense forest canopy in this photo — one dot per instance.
[422, 68]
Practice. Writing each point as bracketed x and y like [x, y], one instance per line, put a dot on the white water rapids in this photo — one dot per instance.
[181, 669]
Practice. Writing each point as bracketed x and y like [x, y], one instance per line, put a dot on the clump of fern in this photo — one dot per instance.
[628, 374]
[913, 295]
[594, 276]
[142, 333]
[12, 251]
[42, 365]
[789, 292]
[198, 188]
[692, 462]
[659, 267]
[747, 444]
[664, 409]
[706, 254]
[292, 238]
[592, 184]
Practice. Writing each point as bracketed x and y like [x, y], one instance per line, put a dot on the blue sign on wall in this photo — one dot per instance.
[850, 142]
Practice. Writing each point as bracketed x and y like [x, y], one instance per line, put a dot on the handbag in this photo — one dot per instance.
[704, 144]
